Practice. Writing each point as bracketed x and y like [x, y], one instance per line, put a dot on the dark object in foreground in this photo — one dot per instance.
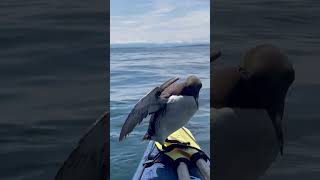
[89, 159]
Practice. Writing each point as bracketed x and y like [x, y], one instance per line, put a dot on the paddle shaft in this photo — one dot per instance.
[183, 172]
[203, 168]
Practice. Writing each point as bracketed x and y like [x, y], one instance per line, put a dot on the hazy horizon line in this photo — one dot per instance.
[159, 43]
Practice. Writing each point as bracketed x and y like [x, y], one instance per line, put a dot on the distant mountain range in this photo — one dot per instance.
[153, 45]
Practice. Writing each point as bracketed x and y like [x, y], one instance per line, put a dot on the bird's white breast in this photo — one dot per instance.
[178, 112]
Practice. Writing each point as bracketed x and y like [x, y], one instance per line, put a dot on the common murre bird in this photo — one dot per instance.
[170, 105]
[247, 111]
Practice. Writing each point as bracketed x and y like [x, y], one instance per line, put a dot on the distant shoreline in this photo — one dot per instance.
[156, 45]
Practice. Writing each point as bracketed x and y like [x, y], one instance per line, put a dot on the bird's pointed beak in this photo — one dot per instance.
[276, 115]
[280, 132]
[197, 101]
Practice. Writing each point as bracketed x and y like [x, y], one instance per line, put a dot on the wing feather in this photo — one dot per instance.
[89, 160]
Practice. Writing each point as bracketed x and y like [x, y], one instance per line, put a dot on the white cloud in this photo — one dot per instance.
[165, 22]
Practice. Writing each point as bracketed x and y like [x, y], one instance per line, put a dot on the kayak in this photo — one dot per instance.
[161, 161]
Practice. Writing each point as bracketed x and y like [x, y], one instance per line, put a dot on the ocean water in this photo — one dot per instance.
[134, 72]
[53, 82]
[293, 26]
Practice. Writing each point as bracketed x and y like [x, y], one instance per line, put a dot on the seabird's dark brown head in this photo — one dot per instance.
[268, 74]
[192, 87]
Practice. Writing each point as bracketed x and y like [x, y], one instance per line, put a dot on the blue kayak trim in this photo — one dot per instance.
[139, 171]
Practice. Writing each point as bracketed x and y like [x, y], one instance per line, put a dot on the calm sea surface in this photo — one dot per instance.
[53, 58]
[134, 72]
[293, 26]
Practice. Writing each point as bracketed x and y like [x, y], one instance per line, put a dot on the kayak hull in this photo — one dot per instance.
[160, 170]
[164, 168]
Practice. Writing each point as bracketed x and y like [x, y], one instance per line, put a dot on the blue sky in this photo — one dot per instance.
[160, 21]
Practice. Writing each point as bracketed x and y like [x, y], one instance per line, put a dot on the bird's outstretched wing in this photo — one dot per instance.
[214, 55]
[150, 103]
[89, 160]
